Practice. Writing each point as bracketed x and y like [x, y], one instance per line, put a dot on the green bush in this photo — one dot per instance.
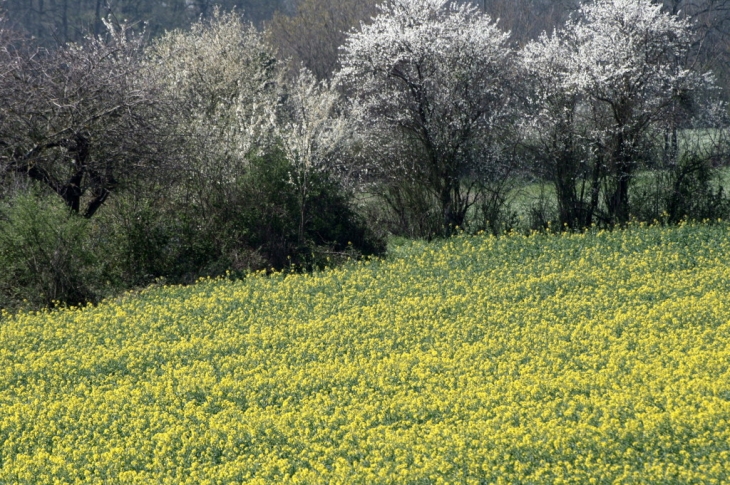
[50, 255]
[690, 190]
[247, 225]
[695, 192]
[265, 220]
[46, 254]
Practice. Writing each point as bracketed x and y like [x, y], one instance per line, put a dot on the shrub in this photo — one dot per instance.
[46, 254]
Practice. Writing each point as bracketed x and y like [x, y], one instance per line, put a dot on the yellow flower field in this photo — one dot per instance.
[597, 358]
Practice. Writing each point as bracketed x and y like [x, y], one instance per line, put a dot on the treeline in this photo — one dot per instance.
[125, 162]
[56, 22]
[310, 31]
[225, 147]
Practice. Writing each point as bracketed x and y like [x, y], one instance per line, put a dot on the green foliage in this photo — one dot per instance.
[250, 226]
[140, 239]
[265, 219]
[690, 190]
[694, 192]
[45, 254]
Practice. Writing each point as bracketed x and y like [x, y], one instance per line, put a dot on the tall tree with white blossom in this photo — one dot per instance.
[431, 83]
[312, 134]
[556, 131]
[223, 80]
[626, 60]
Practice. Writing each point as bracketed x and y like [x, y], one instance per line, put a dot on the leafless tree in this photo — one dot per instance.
[81, 120]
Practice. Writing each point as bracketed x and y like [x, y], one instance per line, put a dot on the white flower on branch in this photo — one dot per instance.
[312, 134]
[613, 76]
[431, 87]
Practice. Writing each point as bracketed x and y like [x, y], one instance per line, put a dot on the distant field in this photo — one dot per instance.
[598, 358]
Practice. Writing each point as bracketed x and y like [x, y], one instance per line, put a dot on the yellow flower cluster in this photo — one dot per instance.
[592, 358]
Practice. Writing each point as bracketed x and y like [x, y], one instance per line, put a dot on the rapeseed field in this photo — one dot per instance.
[593, 358]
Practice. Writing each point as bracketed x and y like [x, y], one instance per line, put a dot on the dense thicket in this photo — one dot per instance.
[128, 158]
[193, 156]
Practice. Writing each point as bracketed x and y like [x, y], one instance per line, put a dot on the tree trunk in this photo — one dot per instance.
[452, 214]
[618, 202]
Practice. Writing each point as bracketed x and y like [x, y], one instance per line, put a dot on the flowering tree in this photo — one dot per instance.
[557, 132]
[254, 146]
[431, 86]
[620, 66]
[222, 78]
[311, 133]
[628, 61]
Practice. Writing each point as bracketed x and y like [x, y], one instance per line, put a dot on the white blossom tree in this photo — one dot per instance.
[223, 81]
[625, 60]
[556, 131]
[312, 134]
[431, 83]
